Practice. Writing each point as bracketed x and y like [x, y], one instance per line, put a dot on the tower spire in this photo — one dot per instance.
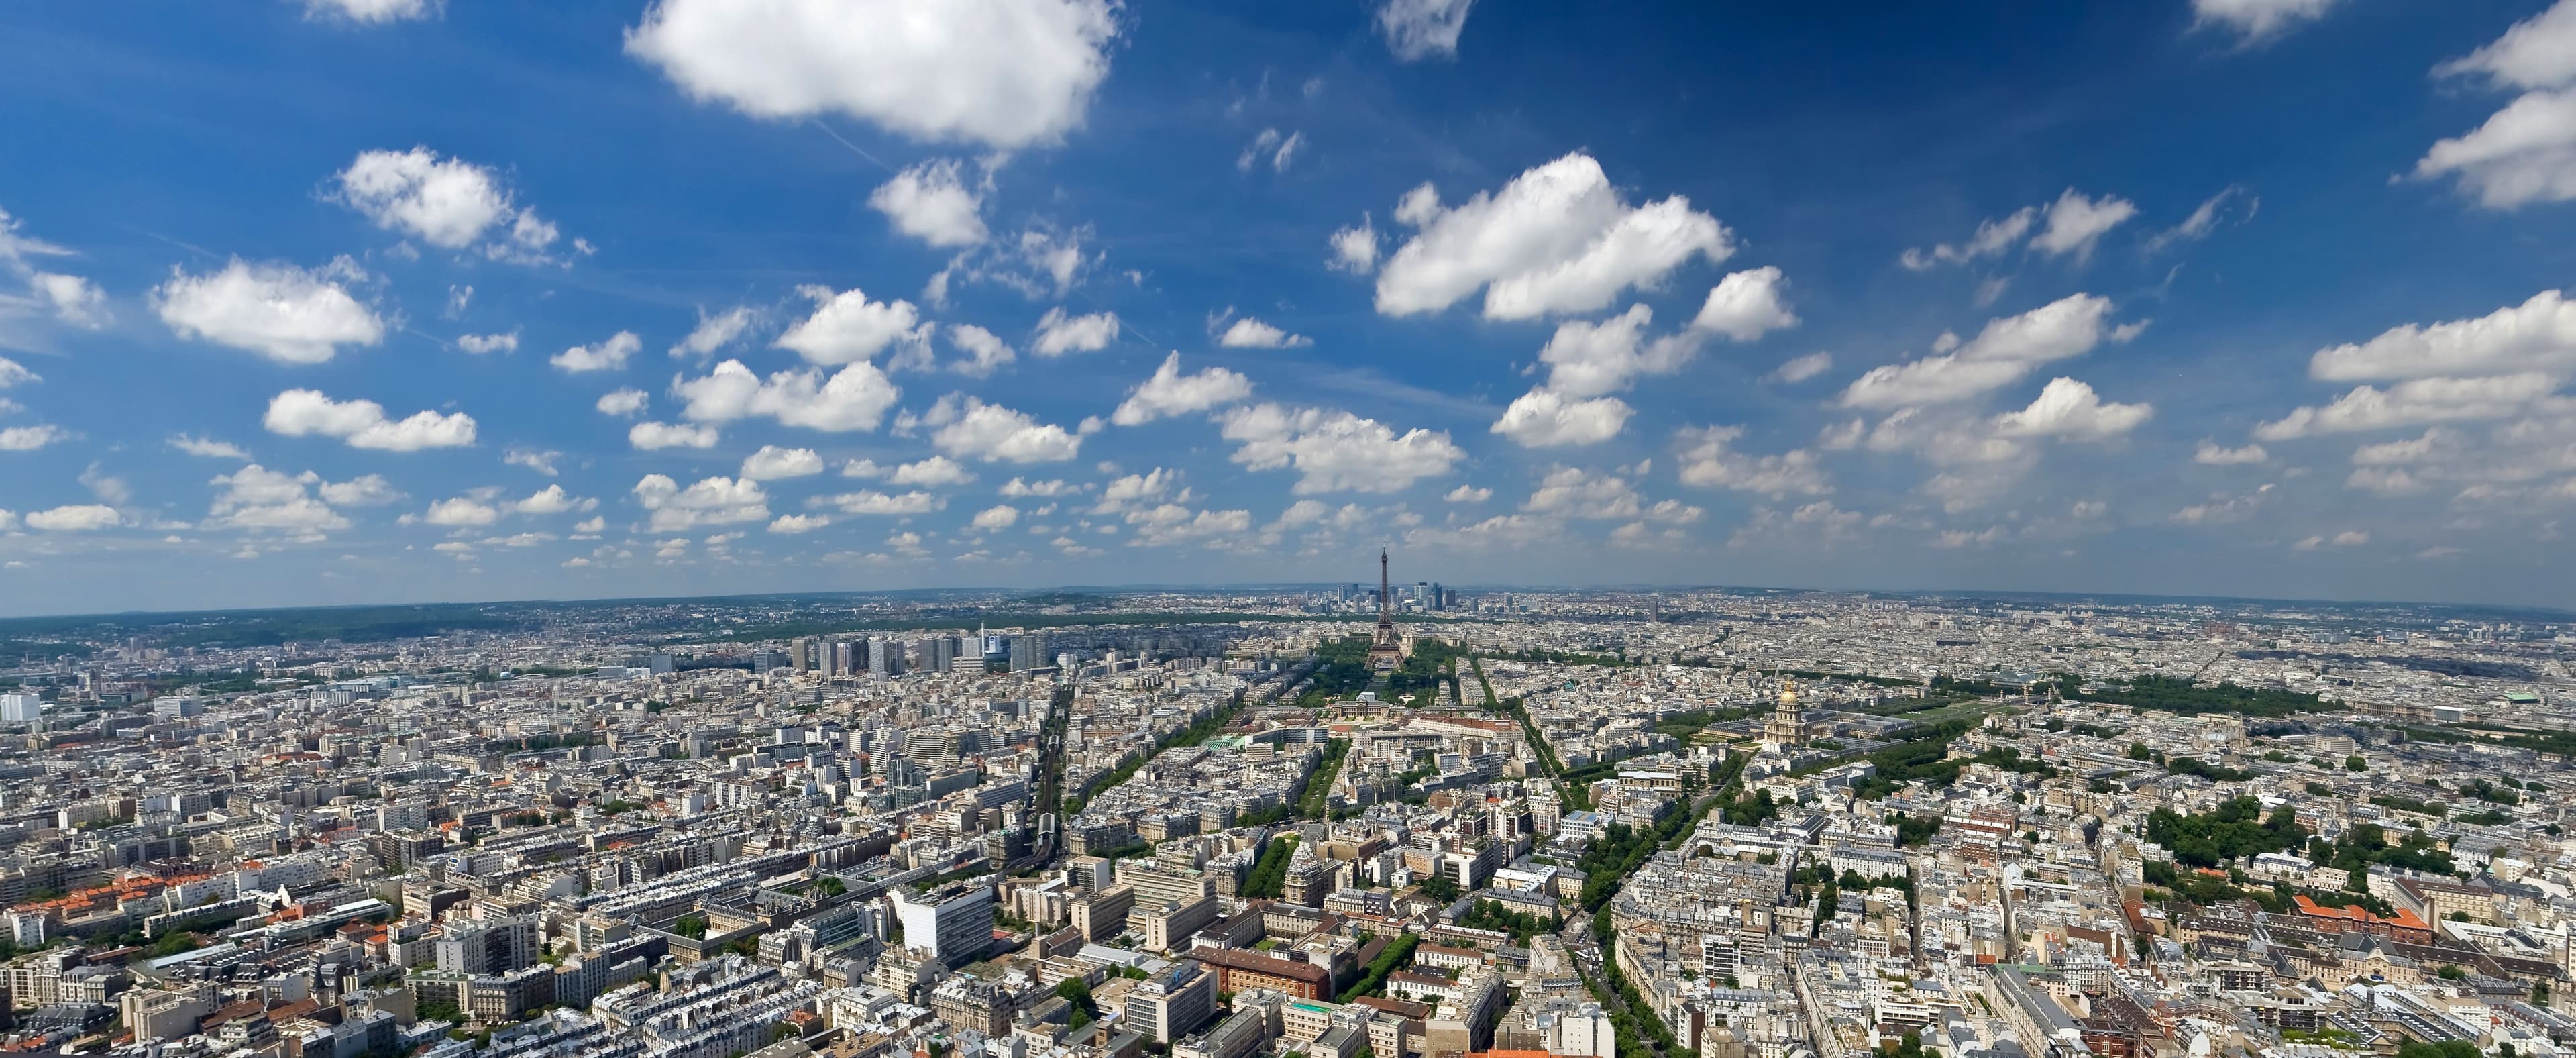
[1386, 652]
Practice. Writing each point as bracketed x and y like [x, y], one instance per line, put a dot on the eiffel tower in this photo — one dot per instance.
[1386, 652]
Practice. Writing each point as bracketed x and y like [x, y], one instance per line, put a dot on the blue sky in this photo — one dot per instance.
[327, 301]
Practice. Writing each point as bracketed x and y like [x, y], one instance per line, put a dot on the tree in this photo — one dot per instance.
[2355, 763]
[1076, 992]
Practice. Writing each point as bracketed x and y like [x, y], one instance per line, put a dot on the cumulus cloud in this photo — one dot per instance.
[75, 300]
[479, 344]
[2070, 409]
[1354, 248]
[1168, 524]
[449, 203]
[288, 314]
[363, 423]
[1993, 238]
[552, 499]
[369, 12]
[712, 501]
[208, 447]
[1468, 494]
[1556, 239]
[1006, 74]
[2211, 453]
[2419, 401]
[656, 436]
[461, 511]
[1711, 461]
[934, 472]
[902, 504]
[1169, 392]
[2525, 153]
[2538, 52]
[1020, 488]
[1249, 333]
[2006, 350]
[1545, 418]
[772, 463]
[1570, 492]
[31, 438]
[257, 499]
[998, 516]
[985, 351]
[2538, 335]
[2256, 21]
[622, 402]
[2075, 223]
[74, 518]
[1802, 368]
[1747, 305]
[930, 202]
[1059, 333]
[1336, 451]
[2223, 508]
[968, 428]
[854, 398]
[1422, 29]
[609, 355]
[847, 328]
[716, 331]
[790, 524]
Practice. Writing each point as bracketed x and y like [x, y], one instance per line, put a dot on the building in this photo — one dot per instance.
[20, 708]
[1170, 927]
[1238, 971]
[953, 923]
[1172, 1004]
[1787, 725]
[1386, 650]
[1103, 915]
[490, 946]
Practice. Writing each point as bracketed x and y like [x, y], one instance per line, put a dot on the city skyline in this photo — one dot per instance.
[335, 302]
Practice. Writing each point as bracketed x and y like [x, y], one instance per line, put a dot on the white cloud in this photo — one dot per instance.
[279, 311]
[1802, 368]
[461, 510]
[1133, 489]
[2007, 349]
[2538, 335]
[2211, 454]
[998, 516]
[2204, 219]
[1059, 333]
[772, 463]
[791, 524]
[1017, 488]
[1711, 461]
[363, 424]
[712, 501]
[13, 374]
[2256, 21]
[1249, 333]
[1747, 305]
[488, 343]
[1287, 153]
[258, 499]
[1169, 392]
[1570, 492]
[1354, 248]
[847, 328]
[552, 499]
[365, 490]
[968, 428]
[369, 12]
[74, 518]
[1262, 144]
[31, 438]
[1544, 418]
[540, 460]
[2538, 52]
[2075, 223]
[609, 355]
[75, 300]
[871, 502]
[208, 448]
[1004, 73]
[1468, 494]
[1422, 29]
[2417, 402]
[985, 351]
[1993, 238]
[1336, 451]
[2525, 153]
[1588, 359]
[854, 398]
[2068, 408]
[2223, 508]
[622, 402]
[1172, 523]
[716, 332]
[449, 203]
[930, 203]
[656, 436]
[934, 472]
[1556, 239]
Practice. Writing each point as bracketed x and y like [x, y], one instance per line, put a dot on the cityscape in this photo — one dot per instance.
[1356, 529]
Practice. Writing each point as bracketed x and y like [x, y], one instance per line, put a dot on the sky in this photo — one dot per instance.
[352, 301]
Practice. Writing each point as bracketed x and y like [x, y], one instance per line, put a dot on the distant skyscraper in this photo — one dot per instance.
[885, 656]
[800, 653]
[1028, 652]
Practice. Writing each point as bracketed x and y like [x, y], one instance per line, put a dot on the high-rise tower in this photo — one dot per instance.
[1386, 652]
